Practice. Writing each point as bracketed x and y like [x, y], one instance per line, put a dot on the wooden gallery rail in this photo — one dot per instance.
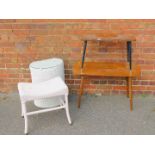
[89, 69]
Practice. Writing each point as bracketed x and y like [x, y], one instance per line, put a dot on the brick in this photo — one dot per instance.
[12, 65]
[4, 75]
[6, 44]
[20, 26]
[5, 26]
[7, 20]
[127, 25]
[39, 32]
[21, 32]
[119, 87]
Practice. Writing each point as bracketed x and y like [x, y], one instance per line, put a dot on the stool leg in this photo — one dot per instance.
[22, 113]
[25, 118]
[67, 109]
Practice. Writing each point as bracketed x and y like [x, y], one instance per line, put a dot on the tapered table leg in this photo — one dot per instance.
[80, 92]
[127, 85]
[130, 94]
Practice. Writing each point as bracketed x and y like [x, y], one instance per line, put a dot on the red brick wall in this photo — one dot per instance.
[23, 41]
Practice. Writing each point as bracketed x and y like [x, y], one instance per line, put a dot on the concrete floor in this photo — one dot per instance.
[99, 115]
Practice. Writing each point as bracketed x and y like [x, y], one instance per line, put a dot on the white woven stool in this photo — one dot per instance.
[51, 88]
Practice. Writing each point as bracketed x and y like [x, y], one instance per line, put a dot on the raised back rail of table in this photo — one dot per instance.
[107, 69]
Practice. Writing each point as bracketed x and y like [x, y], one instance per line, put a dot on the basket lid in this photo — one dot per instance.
[47, 63]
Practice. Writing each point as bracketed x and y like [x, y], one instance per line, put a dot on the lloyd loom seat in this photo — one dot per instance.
[48, 89]
[89, 69]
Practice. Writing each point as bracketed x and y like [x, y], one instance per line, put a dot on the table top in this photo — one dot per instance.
[108, 38]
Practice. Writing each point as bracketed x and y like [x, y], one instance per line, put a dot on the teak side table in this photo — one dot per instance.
[103, 69]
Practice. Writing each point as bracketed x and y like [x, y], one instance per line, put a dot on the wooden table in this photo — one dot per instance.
[103, 69]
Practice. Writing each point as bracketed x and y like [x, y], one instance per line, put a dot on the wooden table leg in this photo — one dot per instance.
[127, 85]
[130, 93]
[80, 92]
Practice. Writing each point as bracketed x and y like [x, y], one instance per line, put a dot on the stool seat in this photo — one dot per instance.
[54, 87]
[46, 89]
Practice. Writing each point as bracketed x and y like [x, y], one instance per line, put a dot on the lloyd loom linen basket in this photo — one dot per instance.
[45, 70]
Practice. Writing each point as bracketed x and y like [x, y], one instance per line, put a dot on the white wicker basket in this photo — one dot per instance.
[45, 70]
